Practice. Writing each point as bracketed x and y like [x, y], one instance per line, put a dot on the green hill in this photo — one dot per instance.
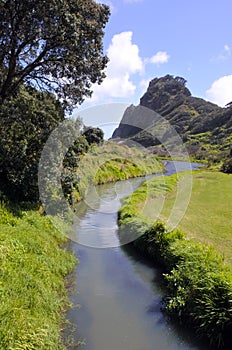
[204, 127]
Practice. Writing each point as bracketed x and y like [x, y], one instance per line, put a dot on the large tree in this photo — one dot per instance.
[53, 45]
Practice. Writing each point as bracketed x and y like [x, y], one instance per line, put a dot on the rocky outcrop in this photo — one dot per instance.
[203, 126]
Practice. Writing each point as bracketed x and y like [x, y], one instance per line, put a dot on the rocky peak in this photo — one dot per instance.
[202, 125]
[161, 90]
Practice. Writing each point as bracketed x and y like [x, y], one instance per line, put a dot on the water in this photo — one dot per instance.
[118, 292]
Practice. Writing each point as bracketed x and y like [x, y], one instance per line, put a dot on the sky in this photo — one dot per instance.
[145, 39]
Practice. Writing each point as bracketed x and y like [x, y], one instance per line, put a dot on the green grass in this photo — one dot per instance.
[196, 259]
[208, 218]
[112, 162]
[32, 281]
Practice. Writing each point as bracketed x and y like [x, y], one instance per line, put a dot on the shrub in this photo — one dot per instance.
[200, 294]
[227, 166]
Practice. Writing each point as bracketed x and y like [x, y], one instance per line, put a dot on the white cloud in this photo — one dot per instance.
[221, 91]
[114, 87]
[124, 62]
[159, 58]
[124, 56]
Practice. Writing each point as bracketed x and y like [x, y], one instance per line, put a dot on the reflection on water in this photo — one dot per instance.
[118, 292]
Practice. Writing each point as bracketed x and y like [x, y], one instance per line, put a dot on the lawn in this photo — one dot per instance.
[208, 218]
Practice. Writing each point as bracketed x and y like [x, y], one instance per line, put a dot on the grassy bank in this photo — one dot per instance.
[111, 162]
[198, 279]
[32, 281]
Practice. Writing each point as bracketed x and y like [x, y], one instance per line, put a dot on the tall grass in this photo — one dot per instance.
[111, 162]
[33, 267]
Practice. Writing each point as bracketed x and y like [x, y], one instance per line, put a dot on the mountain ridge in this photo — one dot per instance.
[204, 127]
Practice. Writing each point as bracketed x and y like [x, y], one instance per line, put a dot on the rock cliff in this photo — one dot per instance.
[203, 126]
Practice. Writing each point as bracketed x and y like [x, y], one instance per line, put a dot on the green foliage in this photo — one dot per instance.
[145, 199]
[70, 178]
[6, 216]
[112, 162]
[85, 137]
[200, 290]
[93, 135]
[32, 286]
[54, 46]
[227, 166]
[117, 169]
[25, 124]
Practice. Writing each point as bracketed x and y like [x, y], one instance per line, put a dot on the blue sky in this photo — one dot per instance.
[145, 39]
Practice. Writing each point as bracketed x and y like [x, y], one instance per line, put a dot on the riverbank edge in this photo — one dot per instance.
[35, 265]
[112, 162]
[198, 284]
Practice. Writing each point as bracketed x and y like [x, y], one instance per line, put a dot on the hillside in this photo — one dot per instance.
[205, 128]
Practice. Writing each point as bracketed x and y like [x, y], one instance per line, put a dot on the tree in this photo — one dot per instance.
[53, 46]
[25, 124]
[227, 166]
[85, 137]
[93, 135]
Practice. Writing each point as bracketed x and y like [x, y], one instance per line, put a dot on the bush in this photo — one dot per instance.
[227, 166]
[201, 295]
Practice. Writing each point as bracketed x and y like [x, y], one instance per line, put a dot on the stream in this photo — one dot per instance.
[119, 293]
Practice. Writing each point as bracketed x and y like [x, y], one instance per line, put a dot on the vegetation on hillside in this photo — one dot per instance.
[198, 279]
[227, 166]
[205, 128]
[111, 162]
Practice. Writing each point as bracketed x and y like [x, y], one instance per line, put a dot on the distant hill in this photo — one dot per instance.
[205, 128]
